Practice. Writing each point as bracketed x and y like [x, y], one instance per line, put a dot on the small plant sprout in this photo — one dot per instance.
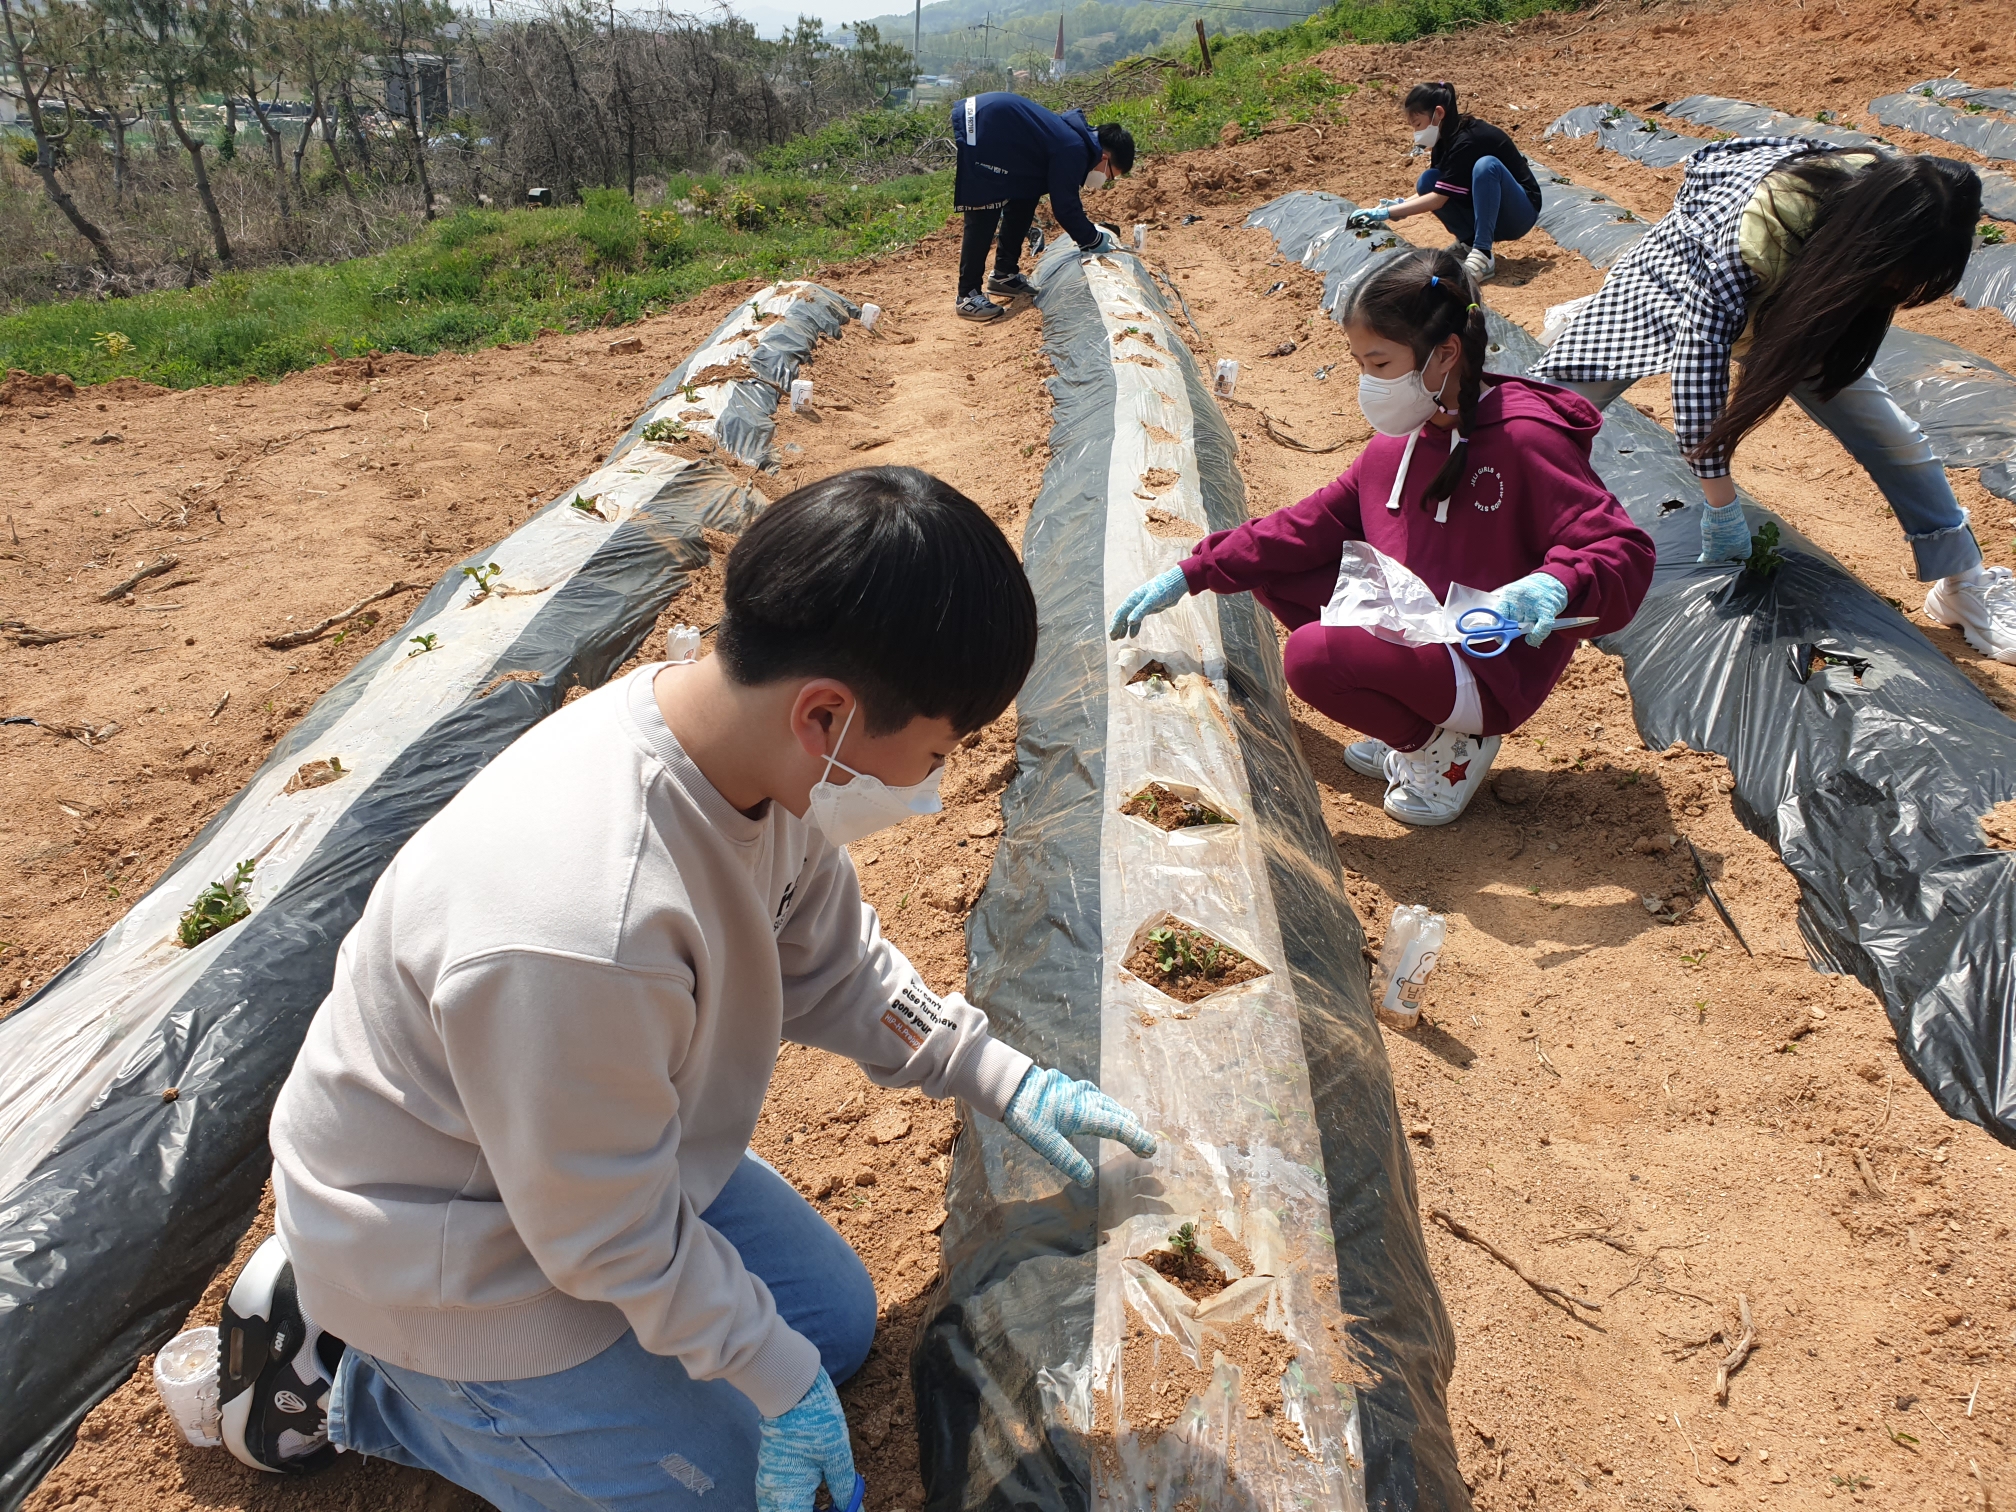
[217, 908]
[482, 577]
[1765, 557]
[1694, 958]
[1991, 234]
[665, 430]
[583, 503]
[1183, 1243]
[689, 393]
[425, 643]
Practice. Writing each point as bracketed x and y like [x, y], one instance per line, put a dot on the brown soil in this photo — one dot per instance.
[1148, 671]
[1999, 825]
[1192, 979]
[1191, 1274]
[1170, 811]
[1633, 1108]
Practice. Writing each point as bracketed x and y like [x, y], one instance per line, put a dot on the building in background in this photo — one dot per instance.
[1057, 58]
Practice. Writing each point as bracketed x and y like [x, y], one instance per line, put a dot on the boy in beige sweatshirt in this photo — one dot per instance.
[521, 1239]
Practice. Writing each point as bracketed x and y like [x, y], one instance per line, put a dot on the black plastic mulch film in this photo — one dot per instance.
[1966, 404]
[1938, 108]
[1272, 1101]
[1859, 751]
[117, 1201]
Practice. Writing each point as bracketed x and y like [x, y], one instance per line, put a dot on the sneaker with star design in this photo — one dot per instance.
[1434, 784]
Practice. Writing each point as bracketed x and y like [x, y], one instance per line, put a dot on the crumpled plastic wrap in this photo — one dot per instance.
[1741, 118]
[1624, 132]
[118, 1202]
[1271, 1100]
[1860, 753]
[1377, 593]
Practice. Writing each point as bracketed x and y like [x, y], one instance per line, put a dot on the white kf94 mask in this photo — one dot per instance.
[867, 804]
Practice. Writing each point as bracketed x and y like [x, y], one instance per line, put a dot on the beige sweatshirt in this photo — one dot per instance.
[546, 1045]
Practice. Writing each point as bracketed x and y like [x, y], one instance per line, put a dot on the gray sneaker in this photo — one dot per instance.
[977, 306]
[1012, 284]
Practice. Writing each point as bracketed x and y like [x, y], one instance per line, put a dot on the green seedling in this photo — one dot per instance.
[665, 430]
[1700, 1010]
[1901, 1439]
[482, 577]
[587, 505]
[1183, 1244]
[1693, 959]
[1825, 117]
[217, 908]
[1852, 1481]
[426, 643]
[1614, 113]
[1991, 234]
[755, 309]
[1973, 107]
[689, 393]
[1765, 557]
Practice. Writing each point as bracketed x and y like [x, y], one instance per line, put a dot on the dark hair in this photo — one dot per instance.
[892, 582]
[1423, 298]
[1118, 141]
[1897, 232]
[1422, 100]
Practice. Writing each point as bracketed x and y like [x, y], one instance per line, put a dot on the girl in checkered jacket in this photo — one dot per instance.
[1474, 478]
[1792, 257]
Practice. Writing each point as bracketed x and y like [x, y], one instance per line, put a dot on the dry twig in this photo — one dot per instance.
[1868, 1176]
[24, 634]
[301, 637]
[1567, 1300]
[1734, 1361]
[1689, 1441]
[1280, 438]
[154, 569]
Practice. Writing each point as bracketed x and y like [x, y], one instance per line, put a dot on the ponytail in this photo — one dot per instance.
[1423, 99]
[1422, 298]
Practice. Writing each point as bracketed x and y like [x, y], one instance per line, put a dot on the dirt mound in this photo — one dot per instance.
[1603, 1085]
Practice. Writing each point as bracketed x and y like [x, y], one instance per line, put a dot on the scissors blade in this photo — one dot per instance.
[1570, 624]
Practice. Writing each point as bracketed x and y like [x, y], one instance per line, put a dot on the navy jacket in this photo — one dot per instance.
[1011, 148]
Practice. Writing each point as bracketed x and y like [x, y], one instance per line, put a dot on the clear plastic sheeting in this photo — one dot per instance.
[1271, 1100]
[1930, 109]
[728, 390]
[1631, 135]
[1741, 118]
[135, 1087]
[1860, 753]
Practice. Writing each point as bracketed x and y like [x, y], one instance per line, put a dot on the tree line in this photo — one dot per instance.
[365, 117]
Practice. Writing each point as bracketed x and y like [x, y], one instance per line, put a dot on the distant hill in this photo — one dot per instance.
[962, 36]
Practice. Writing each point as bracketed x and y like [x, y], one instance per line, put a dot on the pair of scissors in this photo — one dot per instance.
[1478, 629]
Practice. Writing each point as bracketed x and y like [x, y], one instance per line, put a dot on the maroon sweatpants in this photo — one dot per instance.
[1398, 694]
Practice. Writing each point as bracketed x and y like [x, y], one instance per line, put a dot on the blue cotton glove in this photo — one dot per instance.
[1163, 591]
[1105, 241]
[803, 1447]
[1359, 220]
[1725, 534]
[1049, 1108]
[1537, 599]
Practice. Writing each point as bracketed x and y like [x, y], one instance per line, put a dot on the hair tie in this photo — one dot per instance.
[1469, 309]
[1434, 281]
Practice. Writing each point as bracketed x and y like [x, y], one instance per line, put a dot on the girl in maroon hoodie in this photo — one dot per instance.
[1475, 478]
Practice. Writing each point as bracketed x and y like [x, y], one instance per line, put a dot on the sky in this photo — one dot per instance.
[771, 15]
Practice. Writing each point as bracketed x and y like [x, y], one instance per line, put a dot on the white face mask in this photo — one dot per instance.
[867, 804]
[1095, 180]
[1399, 406]
[1427, 135]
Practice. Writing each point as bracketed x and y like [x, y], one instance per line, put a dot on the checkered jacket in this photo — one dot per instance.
[1678, 300]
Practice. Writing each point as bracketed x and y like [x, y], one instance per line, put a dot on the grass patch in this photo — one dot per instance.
[859, 186]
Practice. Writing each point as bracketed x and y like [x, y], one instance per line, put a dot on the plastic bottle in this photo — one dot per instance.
[682, 643]
[185, 1373]
[801, 394]
[870, 313]
[1226, 377]
[1140, 235]
[1408, 954]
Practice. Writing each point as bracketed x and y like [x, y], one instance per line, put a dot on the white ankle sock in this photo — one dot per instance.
[1968, 578]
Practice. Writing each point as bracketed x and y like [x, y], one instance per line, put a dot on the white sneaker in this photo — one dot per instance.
[1367, 757]
[1480, 264]
[1984, 611]
[1436, 783]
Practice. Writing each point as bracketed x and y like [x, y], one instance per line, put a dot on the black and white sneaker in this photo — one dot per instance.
[1012, 284]
[274, 1370]
[977, 306]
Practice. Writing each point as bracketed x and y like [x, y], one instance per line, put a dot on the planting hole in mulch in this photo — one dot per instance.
[1171, 527]
[1999, 825]
[1149, 671]
[1170, 808]
[1188, 963]
[1186, 1267]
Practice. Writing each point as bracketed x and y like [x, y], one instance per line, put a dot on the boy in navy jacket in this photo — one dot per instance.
[1012, 152]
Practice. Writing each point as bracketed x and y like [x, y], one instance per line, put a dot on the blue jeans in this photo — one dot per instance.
[1893, 451]
[1495, 210]
[628, 1429]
